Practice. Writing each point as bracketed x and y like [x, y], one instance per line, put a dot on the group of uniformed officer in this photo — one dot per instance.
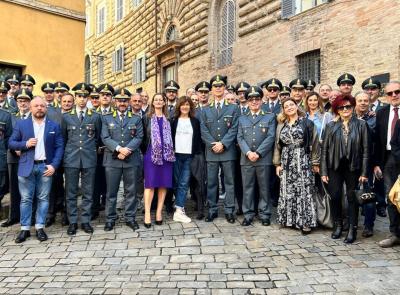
[102, 146]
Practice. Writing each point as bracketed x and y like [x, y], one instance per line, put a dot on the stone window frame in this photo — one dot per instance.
[117, 66]
[87, 25]
[101, 5]
[139, 67]
[116, 8]
[172, 28]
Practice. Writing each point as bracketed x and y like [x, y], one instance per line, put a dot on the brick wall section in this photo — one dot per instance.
[356, 36]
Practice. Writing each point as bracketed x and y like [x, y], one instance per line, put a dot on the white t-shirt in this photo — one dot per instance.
[183, 136]
[38, 129]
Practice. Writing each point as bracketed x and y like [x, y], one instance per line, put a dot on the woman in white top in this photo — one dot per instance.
[316, 113]
[186, 137]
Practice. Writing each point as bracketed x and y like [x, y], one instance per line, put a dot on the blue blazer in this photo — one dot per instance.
[53, 143]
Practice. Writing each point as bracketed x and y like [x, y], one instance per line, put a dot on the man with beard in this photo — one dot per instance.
[171, 91]
[41, 144]
[324, 92]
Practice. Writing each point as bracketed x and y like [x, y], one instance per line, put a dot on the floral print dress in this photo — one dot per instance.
[296, 205]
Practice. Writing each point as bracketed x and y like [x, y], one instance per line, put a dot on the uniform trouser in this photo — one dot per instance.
[57, 194]
[3, 185]
[228, 168]
[15, 196]
[72, 186]
[336, 180]
[129, 178]
[100, 187]
[249, 176]
[238, 185]
[391, 171]
[198, 180]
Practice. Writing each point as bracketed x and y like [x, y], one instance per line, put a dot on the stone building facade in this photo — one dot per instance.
[44, 38]
[141, 43]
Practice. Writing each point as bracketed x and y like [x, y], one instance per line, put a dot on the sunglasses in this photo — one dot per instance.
[390, 93]
[123, 100]
[254, 99]
[94, 97]
[272, 89]
[345, 107]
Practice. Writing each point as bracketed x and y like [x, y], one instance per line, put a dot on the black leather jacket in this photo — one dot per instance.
[334, 149]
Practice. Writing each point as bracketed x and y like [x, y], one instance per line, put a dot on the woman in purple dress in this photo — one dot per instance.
[158, 158]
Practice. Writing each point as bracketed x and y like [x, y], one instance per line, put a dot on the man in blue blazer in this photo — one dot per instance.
[41, 144]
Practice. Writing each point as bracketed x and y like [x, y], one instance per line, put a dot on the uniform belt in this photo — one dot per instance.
[39, 161]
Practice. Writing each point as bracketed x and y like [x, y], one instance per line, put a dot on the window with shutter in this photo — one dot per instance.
[134, 72]
[292, 7]
[143, 68]
[87, 69]
[227, 32]
[100, 68]
[101, 18]
[113, 62]
[119, 10]
[139, 69]
[136, 3]
[309, 65]
[288, 8]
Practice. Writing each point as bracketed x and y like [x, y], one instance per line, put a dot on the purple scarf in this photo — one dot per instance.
[158, 153]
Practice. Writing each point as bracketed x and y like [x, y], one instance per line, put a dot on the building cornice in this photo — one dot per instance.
[48, 8]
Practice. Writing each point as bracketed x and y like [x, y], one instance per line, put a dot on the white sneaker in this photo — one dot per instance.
[181, 216]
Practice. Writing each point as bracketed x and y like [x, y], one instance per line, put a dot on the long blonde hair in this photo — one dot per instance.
[282, 116]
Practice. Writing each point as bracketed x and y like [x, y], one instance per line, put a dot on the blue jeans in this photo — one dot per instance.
[34, 185]
[181, 178]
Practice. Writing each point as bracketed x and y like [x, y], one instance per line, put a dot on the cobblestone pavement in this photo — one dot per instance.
[197, 258]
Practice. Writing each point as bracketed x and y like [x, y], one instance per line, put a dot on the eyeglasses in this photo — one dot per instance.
[272, 89]
[136, 101]
[254, 99]
[390, 93]
[204, 92]
[123, 100]
[94, 97]
[345, 107]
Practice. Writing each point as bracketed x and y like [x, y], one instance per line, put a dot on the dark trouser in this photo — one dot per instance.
[249, 175]
[72, 186]
[238, 184]
[274, 185]
[15, 196]
[198, 181]
[57, 194]
[228, 168]
[3, 183]
[391, 170]
[379, 190]
[100, 187]
[129, 178]
[336, 180]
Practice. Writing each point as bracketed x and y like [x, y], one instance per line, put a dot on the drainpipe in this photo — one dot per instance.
[156, 40]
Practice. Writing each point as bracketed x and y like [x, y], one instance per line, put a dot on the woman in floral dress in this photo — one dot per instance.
[296, 157]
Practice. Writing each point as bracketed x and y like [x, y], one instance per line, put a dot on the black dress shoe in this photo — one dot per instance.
[94, 216]
[147, 225]
[266, 222]
[64, 221]
[22, 236]
[9, 222]
[133, 225]
[72, 229]
[239, 212]
[159, 222]
[210, 217]
[246, 222]
[367, 232]
[87, 228]
[50, 221]
[200, 216]
[109, 226]
[41, 235]
[230, 218]
[381, 212]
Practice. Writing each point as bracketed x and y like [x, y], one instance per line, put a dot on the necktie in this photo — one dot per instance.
[243, 110]
[170, 108]
[122, 118]
[23, 116]
[395, 118]
[218, 108]
[271, 106]
[81, 116]
[104, 111]
[254, 116]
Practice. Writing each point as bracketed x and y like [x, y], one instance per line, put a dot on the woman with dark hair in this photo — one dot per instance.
[314, 108]
[296, 156]
[186, 138]
[344, 160]
[158, 157]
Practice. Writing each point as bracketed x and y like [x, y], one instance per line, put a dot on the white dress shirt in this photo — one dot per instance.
[38, 128]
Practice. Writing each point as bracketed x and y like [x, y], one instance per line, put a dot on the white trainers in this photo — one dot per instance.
[181, 216]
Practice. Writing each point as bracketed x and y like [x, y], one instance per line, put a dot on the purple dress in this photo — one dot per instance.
[157, 175]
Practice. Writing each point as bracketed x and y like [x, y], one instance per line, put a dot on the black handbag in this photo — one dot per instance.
[364, 194]
[324, 212]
